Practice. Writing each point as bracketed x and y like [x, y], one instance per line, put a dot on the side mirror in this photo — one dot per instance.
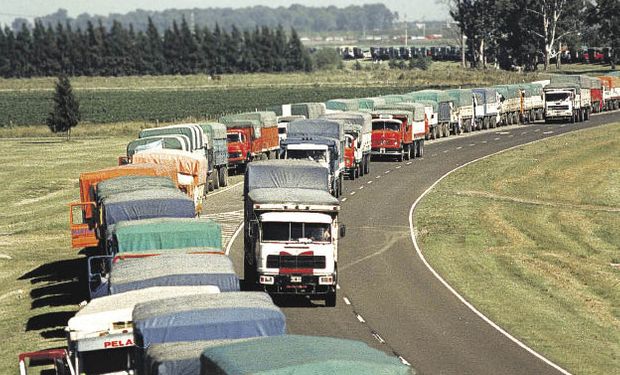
[343, 230]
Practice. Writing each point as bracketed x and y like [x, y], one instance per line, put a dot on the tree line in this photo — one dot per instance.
[302, 18]
[524, 33]
[119, 50]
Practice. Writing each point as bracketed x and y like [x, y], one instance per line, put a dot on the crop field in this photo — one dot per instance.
[530, 237]
[178, 98]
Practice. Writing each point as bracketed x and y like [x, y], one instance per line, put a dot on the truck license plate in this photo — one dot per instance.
[382, 150]
[295, 279]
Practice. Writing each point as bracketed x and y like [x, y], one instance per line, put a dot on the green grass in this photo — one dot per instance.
[530, 238]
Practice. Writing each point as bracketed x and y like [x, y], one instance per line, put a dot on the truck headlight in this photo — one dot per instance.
[267, 280]
[326, 280]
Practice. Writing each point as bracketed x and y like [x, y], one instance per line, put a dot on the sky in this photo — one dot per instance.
[9, 9]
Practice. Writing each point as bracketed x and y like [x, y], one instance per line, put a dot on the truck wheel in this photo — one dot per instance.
[362, 167]
[249, 275]
[367, 165]
[408, 152]
[223, 176]
[421, 149]
[574, 118]
[340, 183]
[330, 299]
[587, 115]
[216, 179]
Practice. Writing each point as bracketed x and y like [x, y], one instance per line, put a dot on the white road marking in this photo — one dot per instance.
[398, 166]
[344, 199]
[378, 337]
[378, 176]
[369, 182]
[352, 193]
[346, 300]
[511, 135]
[496, 139]
[232, 239]
[484, 141]
[338, 286]
[460, 147]
[472, 144]
[523, 133]
[445, 283]
[433, 155]
[224, 190]
[549, 132]
[502, 133]
[388, 171]
[408, 163]
[360, 318]
[404, 361]
[536, 130]
[361, 187]
[445, 151]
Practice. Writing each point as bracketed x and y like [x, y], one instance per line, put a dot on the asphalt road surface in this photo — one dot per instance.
[387, 296]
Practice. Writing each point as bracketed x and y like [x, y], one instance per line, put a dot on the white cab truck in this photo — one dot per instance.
[358, 133]
[321, 141]
[565, 102]
[292, 229]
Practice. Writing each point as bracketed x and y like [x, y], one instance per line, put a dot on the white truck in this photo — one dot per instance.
[565, 102]
[291, 229]
[358, 133]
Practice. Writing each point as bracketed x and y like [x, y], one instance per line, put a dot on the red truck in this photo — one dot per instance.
[251, 136]
[399, 131]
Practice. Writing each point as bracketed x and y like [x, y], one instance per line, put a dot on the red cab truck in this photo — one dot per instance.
[251, 136]
[399, 130]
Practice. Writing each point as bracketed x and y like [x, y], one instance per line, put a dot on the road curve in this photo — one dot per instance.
[388, 297]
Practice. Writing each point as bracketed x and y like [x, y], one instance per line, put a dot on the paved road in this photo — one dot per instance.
[393, 302]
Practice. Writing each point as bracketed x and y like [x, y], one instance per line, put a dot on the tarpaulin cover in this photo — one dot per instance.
[233, 315]
[191, 131]
[461, 97]
[218, 144]
[508, 91]
[563, 85]
[343, 104]
[370, 103]
[300, 355]
[126, 184]
[584, 81]
[146, 204]
[488, 95]
[182, 161]
[100, 313]
[174, 142]
[363, 119]
[416, 109]
[391, 99]
[292, 174]
[293, 196]
[174, 270]
[429, 103]
[434, 95]
[266, 119]
[166, 233]
[309, 110]
[214, 129]
[531, 89]
[318, 127]
[179, 358]
[242, 124]
[290, 118]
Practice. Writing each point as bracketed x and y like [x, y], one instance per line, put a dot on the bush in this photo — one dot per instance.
[422, 63]
[327, 58]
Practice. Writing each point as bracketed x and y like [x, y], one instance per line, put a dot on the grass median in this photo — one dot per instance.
[531, 237]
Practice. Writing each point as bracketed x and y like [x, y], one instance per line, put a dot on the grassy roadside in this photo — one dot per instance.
[531, 237]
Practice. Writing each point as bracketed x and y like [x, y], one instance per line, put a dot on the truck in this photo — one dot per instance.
[291, 229]
[564, 101]
[321, 141]
[251, 136]
[358, 145]
[486, 107]
[399, 130]
[82, 214]
[510, 103]
[283, 122]
[611, 92]
[464, 108]
[582, 86]
[532, 103]
[444, 118]
[174, 142]
[217, 153]
[310, 110]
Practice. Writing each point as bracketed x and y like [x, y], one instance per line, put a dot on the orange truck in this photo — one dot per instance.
[611, 92]
[251, 136]
[82, 214]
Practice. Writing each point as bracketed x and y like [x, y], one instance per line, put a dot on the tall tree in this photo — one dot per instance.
[66, 112]
[605, 14]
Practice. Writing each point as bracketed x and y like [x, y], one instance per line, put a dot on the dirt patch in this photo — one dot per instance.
[53, 194]
[4, 256]
[17, 292]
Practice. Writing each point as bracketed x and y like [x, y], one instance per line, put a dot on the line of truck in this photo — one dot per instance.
[163, 295]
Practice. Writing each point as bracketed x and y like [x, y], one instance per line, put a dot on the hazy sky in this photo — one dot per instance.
[9, 9]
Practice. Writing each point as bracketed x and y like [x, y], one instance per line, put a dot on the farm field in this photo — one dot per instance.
[530, 237]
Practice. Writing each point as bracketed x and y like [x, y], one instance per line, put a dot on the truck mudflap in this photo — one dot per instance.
[297, 284]
[59, 358]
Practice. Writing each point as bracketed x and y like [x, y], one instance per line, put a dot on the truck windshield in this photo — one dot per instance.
[234, 137]
[292, 232]
[315, 155]
[554, 97]
[385, 125]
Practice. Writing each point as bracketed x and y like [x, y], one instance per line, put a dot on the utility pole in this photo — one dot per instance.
[406, 26]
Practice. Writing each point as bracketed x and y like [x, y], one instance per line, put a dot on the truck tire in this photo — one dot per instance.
[216, 179]
[249, 275]
[362, 166]
[223, 176]
[587, 114]
[367, 165]
[580, 119]
[340, 183]
[421, 149]
[574, 118]
[330, 298]
[408, 152]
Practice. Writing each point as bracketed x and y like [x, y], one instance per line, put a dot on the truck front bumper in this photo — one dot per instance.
[295, 284]
[385, 151]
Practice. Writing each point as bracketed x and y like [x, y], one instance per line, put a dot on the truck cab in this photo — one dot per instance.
[561, 104]
[238, 147]
[351, 153]
[392, 135]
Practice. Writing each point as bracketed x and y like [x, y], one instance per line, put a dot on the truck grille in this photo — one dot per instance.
[559, 107]
[294, 261]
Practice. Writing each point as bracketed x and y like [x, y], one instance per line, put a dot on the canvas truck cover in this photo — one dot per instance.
[124, 184]
[100, 313]
[319, 127]
[176, 358]
[584, 81]
[233, 315]
[146, 204]
[215, 130]
[370, 103]
[429, 103]
[531, 89]
[89, 180]
[299, 355]
[434, 95]
[176, 269]
[343, 104]
[309, 110]
[416, 109]
[363, 119]
[461, 97]
[563, 86]
[191, 131]
[174, 142]
[292, 196]
[391, 99]
[182, 161]
[508, 91]
[266, 119]
[165, 233]
[286, 174]
[488, 95]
